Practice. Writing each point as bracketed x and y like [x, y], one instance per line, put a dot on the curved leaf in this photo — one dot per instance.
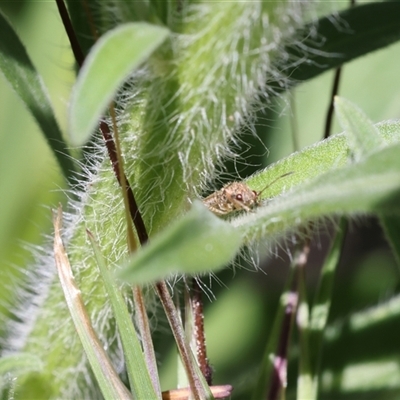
[112, 59]
[343, 37]
[21, 74]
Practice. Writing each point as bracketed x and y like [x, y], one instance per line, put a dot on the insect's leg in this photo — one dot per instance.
[240, 206]
[216, 211]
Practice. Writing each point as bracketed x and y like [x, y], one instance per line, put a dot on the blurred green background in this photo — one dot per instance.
[239, 313]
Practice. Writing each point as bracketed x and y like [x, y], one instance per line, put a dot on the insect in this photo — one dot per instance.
[235, 196]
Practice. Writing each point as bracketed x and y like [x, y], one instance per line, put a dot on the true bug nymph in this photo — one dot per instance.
[235, 196]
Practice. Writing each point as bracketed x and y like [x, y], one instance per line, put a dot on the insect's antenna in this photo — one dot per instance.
[277, 179]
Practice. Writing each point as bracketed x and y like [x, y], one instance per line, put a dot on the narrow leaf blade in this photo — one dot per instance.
[139, 378]
[112, 59]
[107, 378]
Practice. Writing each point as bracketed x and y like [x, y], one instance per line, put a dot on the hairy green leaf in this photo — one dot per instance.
[197, 243]
[326, 184]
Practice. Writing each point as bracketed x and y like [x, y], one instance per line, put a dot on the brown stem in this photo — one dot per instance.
[133, 208]
[196, 301]
[177, 330]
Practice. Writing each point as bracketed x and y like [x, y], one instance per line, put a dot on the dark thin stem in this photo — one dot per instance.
[329, 115]
[141, 315]
[132, 245]
[73, 40]
[133, 208]
[335, 91]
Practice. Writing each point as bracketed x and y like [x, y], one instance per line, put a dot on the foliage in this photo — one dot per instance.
[174, 90]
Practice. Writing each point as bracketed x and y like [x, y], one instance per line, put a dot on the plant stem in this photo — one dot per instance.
[179, 335]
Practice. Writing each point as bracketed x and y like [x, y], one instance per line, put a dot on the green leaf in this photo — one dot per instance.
[198, 243]
[139, 378]
[362, 136]
[372, 185]
[313, 161]
[21, 74]
[110, 384]
[343, 37]
[111, 60]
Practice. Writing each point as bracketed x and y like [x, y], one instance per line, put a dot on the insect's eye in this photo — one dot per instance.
[239, 197]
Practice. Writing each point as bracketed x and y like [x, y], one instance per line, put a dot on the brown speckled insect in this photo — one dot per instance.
[235, 196]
